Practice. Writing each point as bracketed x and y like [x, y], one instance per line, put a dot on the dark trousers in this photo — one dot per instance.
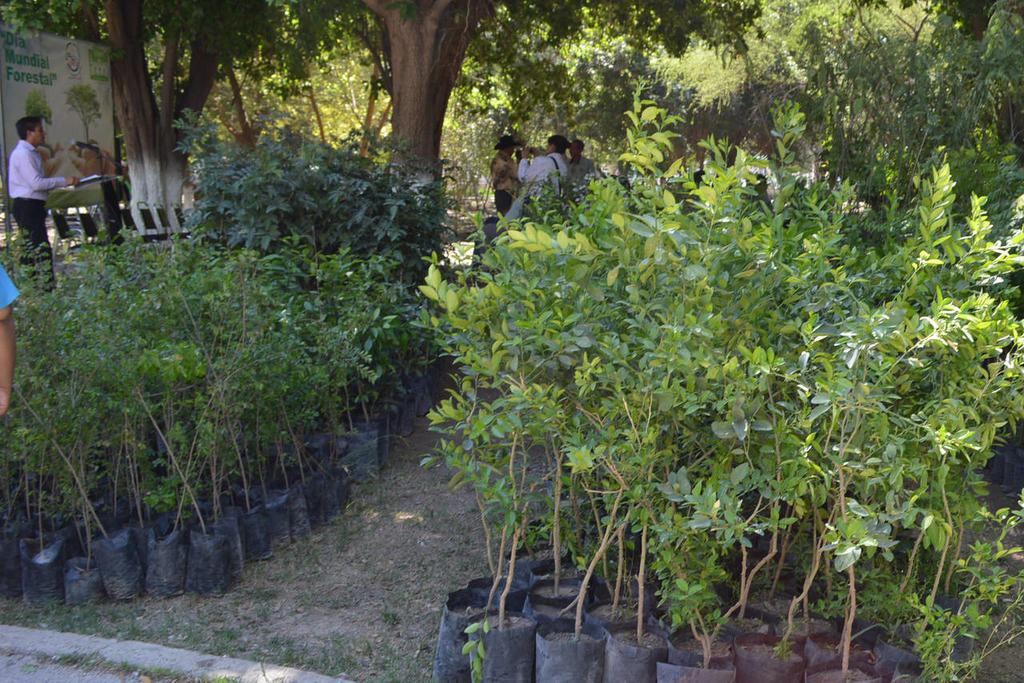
[112, 212]
[502, 201]
[31, 217]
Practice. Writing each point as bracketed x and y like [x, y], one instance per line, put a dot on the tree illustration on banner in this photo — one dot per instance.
[83, 101]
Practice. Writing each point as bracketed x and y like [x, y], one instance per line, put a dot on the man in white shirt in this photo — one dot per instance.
[28, 187]
[546, 169]
[581, 169]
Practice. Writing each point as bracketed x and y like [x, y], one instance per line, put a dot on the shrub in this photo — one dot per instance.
[714, 372]
[155, 378]
[331, 198]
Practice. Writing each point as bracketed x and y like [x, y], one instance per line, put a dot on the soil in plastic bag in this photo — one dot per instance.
[319, 446]
[515, 601]
[313, 489]
[363, 457]
[257, 535]
[42, 571]
[336, 490]
[405, 415]
[228, 527]
[118, 560]
[891, 659]
[510, 649]
[823, 653]
[546, 614]
[855, 674]
[543, 592]
[627, 660]
[140, 539]
[383, 445]
[72, 545]
[278, 518]
[462, 608]
[298, 513]
[604, 615]
[422, 389]
[340, 488]
[10, 568]
[685, 650]
[674, 673]
[82, 582]
[209, 564]
[756, 661]
[168, 561]
[561, 657]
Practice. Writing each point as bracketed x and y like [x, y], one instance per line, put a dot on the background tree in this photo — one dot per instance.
[165, 57]
[401, 34]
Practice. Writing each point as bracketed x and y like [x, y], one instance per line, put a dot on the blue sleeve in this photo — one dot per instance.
[8, 292]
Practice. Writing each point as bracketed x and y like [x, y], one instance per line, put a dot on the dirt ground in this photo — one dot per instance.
[361, 597]
[372, 586]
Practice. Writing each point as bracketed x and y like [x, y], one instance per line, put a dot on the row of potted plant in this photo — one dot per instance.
[720, 394]
[538, 643]
[152, 379]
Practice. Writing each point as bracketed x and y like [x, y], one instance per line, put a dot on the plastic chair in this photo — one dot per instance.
[153, 230]
[126, 217]
[88, 224]
[60, 222]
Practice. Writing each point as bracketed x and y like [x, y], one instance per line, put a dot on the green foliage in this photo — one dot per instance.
[878, 127]
[163, 377]
[718, 370]
[474, 647]
[331, 199]
[954, 638]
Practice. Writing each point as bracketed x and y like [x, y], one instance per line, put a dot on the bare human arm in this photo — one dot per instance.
[7, 354]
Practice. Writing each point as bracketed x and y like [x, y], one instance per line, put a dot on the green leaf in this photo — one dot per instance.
[857, 509]
[846, 558]
[641, 228]
[666, 399]
[694, 272]
[723, 430]
[818, 412]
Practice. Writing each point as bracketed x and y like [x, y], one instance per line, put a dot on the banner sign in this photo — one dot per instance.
[67, 83]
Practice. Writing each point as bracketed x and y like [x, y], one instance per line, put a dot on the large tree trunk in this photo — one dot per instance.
[156, 171]
[425, 53]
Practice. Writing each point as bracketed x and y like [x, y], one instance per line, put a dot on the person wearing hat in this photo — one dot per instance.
[504, 174]
[545, 169]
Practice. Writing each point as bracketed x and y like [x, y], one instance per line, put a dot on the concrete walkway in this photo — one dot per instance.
[38, 656]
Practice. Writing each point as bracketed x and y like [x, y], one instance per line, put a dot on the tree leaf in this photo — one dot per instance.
[641, 228]
[846, 558]
[723, 430]
[740, 427]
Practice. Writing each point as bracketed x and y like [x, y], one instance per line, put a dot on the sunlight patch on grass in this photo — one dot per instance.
[408, 516]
